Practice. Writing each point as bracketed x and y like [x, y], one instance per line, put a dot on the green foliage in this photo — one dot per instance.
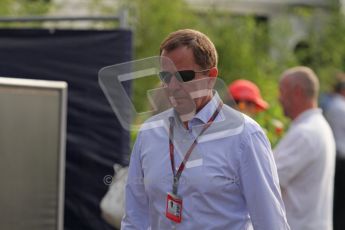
[154, 20]
[328, 49]
[18, 8]
[151, 22]
[235, 39]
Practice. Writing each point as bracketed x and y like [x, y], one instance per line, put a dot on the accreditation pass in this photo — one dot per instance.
[174, 208]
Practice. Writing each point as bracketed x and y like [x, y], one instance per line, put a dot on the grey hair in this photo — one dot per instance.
[305, 78]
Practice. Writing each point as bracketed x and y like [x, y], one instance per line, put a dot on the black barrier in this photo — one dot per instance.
[95, 139]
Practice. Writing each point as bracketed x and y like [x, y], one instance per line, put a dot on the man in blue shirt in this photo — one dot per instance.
[201, 164]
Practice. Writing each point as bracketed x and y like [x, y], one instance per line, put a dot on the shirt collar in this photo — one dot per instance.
[306, 114]
[207, 111]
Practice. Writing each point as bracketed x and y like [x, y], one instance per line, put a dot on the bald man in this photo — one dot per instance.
[305, 157]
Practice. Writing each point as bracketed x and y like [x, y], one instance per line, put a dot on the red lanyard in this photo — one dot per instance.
[185, 159]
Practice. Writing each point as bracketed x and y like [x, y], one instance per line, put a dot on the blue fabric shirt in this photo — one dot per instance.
[230, 180]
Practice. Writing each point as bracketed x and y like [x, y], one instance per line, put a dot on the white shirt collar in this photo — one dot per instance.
[305, 115]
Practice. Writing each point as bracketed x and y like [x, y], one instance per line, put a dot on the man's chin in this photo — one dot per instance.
[185, 108]
[185, 114]
[181, 101]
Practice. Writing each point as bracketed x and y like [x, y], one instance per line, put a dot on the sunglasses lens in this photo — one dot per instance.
[184, 76]
[187, 75]
[165, 76]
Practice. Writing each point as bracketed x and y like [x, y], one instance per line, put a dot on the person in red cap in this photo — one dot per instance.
[247, 97]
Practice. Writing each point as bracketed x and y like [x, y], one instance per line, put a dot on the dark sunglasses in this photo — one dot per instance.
[185, 75]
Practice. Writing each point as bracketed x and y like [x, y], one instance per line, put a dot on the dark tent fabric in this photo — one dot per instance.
[95, 139]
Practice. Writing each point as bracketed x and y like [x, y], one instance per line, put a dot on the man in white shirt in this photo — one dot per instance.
[211, 168]
[305, 157]
[335, 114]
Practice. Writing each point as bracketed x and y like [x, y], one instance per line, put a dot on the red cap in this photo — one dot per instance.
[244, 90]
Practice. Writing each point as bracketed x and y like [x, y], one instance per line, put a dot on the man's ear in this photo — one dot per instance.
[213, 72]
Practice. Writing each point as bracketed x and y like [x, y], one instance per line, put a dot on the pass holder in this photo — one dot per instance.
[174, 207]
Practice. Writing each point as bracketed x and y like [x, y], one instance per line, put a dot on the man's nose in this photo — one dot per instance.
[174, 83]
